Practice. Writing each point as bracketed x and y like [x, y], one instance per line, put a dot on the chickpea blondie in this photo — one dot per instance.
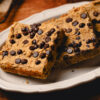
[81, 43]
[30, 50]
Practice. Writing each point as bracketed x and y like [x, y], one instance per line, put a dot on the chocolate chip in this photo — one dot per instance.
[35, 29]
[40, 31]
[31, 47]
[69, 20]
[52, 30]
[24, 29]
[42, 55]
[69, 50]
[5, 53]
[77, 33]
[88, 41]
[94, 21]
[49, 33]
[81, 25]
[76, 49]
[65, 57]
[13, 53]
[35, 54]
[74, 23]
[83, 15]
[68, 30]
[95, 14]
[47, 39]
[18, 35]
[18, 61]
[25, 41]
[24, 61]
[12, 36]
[35, 46]
[32, 35]
[42, 44]
[70, 45]
[19, 52]
[46, 46]
[34, 42]
[73, 44]
[76, 44]
[35, 25]
[78, 38]
[12, 41]
[48, 52]
[37, 62]
[31, 30]
[90, 25]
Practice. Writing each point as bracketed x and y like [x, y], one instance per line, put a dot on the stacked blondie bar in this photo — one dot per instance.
[32, 50]
[83, 38]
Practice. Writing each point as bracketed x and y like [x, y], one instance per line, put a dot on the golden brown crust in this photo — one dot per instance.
[23, 72]
[86, 50]
[32, 67]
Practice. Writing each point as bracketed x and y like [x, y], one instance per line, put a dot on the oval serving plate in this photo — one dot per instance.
[59, 78]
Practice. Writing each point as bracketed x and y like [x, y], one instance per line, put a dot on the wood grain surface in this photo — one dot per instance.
[22, 9]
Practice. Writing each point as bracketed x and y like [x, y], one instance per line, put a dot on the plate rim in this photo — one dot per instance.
[52, 86]
[92, 75]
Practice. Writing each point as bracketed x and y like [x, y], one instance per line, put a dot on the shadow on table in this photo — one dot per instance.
[86, 91]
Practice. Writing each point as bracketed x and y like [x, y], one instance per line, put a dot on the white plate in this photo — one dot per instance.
[59, 79]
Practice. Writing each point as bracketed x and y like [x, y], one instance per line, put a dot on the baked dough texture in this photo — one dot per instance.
[30, 50]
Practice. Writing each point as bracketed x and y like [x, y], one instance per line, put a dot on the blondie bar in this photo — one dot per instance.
[81, 43]
[30, 50]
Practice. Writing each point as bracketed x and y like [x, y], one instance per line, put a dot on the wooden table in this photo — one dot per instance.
[24, 8]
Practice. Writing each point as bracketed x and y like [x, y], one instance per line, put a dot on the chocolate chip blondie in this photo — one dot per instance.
[30, 50]
[93, 10]
[81, 43]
